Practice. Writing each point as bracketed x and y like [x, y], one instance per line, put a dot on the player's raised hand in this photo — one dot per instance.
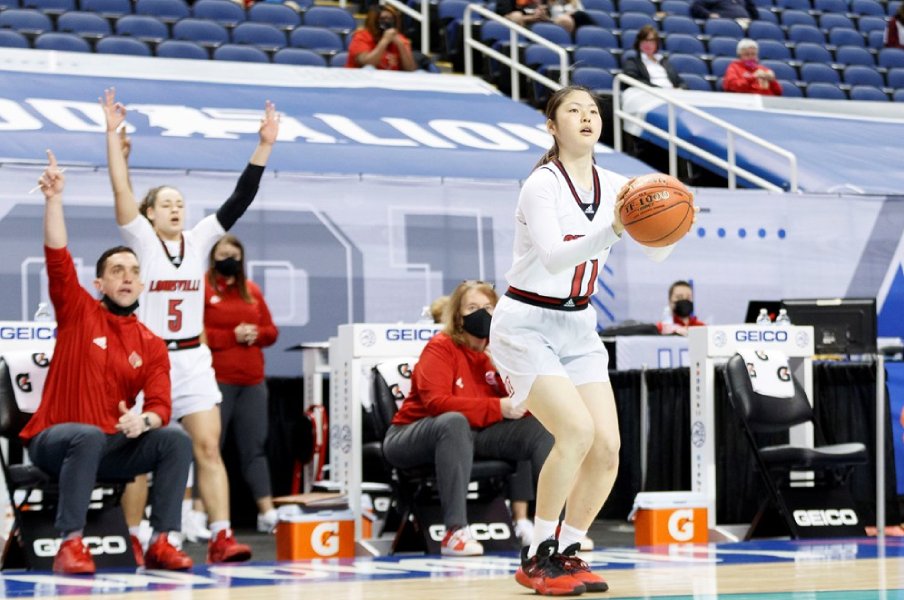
[52, 180]
[114, 112]
[269, 124]
[125, 142]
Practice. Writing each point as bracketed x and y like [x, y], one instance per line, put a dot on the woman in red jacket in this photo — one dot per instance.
[747, 76]
[458, 410]
[238, 325]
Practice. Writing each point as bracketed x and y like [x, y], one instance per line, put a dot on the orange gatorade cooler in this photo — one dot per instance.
[669, 518]
[323, 534]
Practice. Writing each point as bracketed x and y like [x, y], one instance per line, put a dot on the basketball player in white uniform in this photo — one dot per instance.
[174, 262]
[545, 343]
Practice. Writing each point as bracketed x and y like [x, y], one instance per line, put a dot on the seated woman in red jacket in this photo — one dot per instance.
[458, 410]
[747, 76]
[380, 43]
[238, 325]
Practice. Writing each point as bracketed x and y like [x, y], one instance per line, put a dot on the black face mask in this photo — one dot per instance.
[684, 308]
[118, 310]
[477, 323]
[228, 267]
[384, 25]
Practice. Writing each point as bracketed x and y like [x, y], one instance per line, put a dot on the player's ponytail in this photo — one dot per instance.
[552, 105]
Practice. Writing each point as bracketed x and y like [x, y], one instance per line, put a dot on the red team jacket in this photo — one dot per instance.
[453, 378]
[99, 359]
[224, 308]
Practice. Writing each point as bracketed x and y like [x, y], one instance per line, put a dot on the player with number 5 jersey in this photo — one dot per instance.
[174, 263]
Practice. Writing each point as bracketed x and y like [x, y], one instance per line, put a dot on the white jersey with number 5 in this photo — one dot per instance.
[172, 304]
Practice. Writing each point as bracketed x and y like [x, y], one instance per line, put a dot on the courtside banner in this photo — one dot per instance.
[186, 114]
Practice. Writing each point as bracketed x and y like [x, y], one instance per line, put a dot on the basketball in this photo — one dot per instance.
[658, 210]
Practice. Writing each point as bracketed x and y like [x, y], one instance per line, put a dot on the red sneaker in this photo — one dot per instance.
[137, 550]
[73, 558]
[163, 555]
[223, 548]
[580, 570]
[544, 574]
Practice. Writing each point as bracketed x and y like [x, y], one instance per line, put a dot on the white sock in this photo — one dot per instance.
[270, 515]
[543, 530]
[569, 535]
[186, 506]
[217, 526]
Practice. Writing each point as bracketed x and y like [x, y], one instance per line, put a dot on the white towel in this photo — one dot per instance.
[28, 372]
[769, 372]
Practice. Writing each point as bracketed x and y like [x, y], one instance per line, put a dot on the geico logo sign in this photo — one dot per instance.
[479, 531]
[761, 336]
[681, 525]
[27, 333]
[409, 335]
[111, 544]
[825, 518]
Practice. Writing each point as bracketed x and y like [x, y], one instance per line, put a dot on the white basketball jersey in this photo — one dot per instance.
[563, 234]
[172, 304]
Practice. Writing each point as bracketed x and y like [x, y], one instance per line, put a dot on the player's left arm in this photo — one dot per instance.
[246, 187]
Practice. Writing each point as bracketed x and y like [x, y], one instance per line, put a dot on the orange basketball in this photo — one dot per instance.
[658, 210]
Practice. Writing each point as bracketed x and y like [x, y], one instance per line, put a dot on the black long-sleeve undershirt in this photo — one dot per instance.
[242, 196]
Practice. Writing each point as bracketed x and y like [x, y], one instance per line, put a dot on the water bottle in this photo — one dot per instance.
[43, 313]
[666, 322]
[426, 315]
[763, 317]
[783, 320]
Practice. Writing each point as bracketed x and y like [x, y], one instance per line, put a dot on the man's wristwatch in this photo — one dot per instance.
[147, 422]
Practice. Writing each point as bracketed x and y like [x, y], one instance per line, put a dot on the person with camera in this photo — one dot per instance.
[380, 44]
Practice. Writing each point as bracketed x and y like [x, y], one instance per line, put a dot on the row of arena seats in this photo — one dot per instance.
[859, 7]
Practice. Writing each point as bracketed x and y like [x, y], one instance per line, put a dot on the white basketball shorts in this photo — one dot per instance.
[194, 383]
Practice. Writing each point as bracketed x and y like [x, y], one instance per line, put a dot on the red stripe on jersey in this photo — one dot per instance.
[574, 192]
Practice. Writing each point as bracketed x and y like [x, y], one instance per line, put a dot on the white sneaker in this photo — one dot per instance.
[524, 531]
[194, 526]
[266, 522]
[458, 542]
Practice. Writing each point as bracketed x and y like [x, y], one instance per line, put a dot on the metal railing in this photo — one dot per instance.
[732, 133]
[422, 16]
[512, 61]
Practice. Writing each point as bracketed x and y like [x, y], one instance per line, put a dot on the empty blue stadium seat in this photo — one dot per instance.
[240, 53]
[806, 33]
[224, 12]
[678, 24]
[67, 42]
[4, 4]
[116, 44]
[168, 11]
[601, 19]
[868, 92]
[626, 40]
[598, 80]
[684, 44]
[895, 78]
[782, 69]
[810, 52]
[803, 5]
[696, 82]
[763, 30]
[604, 5]
[600, 58]
[451, 18]
[766, 16]
[339, 59]
[722, 46]
[635, 20]
[107, 8]
[687, 63]
[280, 15]
[854, 55]
[591, 35]
[640, 6]
[898, 95]
[723, 27]
[299, 56]
[322, 41]
[491, 31]
[537, 56]
[85, 24]
[867, 7]
[846, 37]
[867, 24]
[768, 4]
[819, 73]
[143, 27]
[790, 89]
[826, 91]
[12, 39]
[201, 31]
[50, 7]
[876, 39]
[863, 75]
[797, 17]
[181, 49]
[674, 7]
[718, 66]
[774, 50]
[262, 35]
[331, 17]
[829, 21]
[550, 32]
[891, 57]
[831, 6]
[25, 20]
